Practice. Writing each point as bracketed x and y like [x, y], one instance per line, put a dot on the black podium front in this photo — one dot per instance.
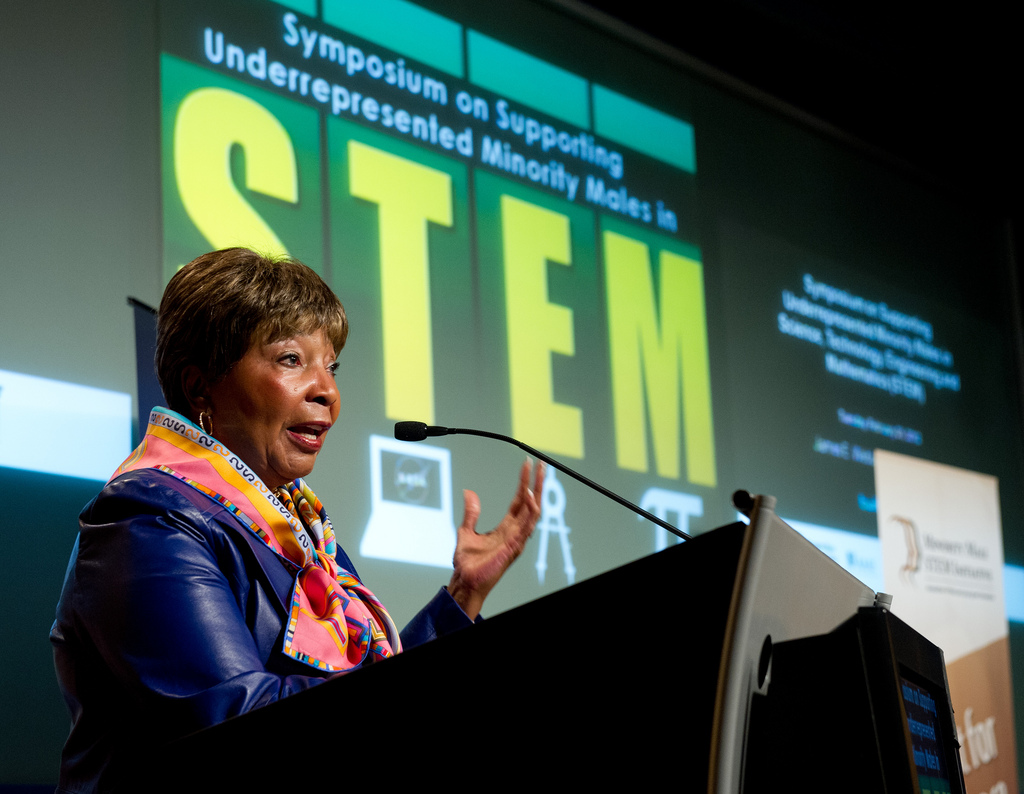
[644, 675]
[608, 676]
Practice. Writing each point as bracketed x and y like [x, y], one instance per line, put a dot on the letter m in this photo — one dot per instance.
[491, 152]
[435, 91]
[332, 49]
[595, 190]
[661, 353]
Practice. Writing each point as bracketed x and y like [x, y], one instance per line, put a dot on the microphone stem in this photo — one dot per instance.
[576, 476]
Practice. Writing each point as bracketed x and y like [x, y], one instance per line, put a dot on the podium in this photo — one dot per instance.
[643, 674]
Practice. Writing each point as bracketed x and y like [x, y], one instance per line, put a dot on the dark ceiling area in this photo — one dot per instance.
[937, 88]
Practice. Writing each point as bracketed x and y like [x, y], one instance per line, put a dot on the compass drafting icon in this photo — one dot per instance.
[552, 519]
[411, 511]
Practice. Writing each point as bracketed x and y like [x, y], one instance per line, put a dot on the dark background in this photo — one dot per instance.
[936, 90]
[939, 89]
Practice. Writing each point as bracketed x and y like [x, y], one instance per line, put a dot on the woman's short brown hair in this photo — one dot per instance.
[222, 303]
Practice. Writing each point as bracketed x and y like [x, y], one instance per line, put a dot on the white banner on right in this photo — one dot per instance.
[942, 561]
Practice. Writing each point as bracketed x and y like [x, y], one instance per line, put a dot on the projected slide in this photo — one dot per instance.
[844, 364]
[525, 247]
[516, 244]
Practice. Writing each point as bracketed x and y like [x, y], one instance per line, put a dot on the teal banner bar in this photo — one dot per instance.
[307, 7]
[403, 27]
[645, 129]
[523, 78]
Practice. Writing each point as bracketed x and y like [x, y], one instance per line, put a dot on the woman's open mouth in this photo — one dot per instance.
[309, 436]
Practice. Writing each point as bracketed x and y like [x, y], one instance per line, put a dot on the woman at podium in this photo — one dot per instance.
[206, 580]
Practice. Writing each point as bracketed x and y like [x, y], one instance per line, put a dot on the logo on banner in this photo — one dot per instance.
[939, 563]
[913, 563]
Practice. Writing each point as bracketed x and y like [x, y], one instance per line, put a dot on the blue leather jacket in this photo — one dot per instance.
[171, 619]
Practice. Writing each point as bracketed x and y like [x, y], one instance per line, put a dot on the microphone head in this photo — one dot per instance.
[410, 431]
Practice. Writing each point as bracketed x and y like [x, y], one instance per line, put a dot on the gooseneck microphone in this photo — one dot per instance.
[418, 431]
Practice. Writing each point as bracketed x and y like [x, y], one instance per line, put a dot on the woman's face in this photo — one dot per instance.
[275, 406]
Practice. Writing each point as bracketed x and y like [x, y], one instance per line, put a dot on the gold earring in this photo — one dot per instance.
[202, 422]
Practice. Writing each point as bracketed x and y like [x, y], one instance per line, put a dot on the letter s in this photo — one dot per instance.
[502, 108]
[210, 121]
[292, 37]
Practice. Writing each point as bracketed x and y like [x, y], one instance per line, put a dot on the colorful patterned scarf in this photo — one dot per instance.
[335, 622]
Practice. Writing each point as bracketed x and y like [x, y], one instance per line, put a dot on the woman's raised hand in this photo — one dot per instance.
[480, 560]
